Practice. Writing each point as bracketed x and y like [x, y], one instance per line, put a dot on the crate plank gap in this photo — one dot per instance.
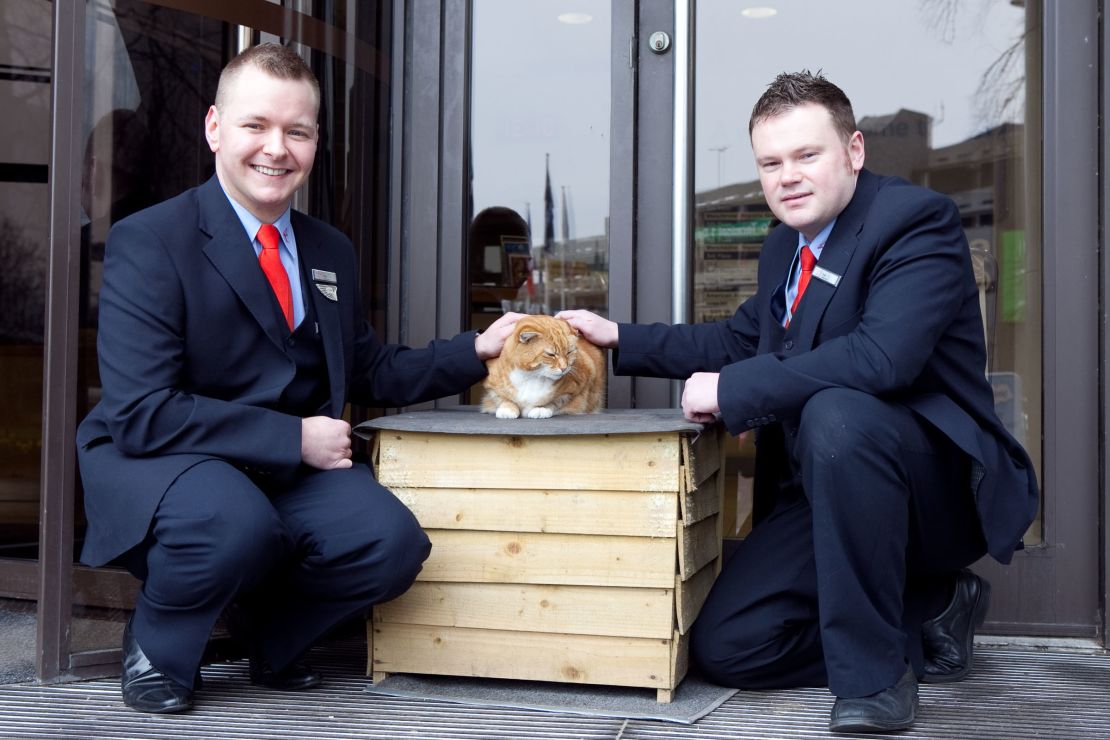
[575, 549]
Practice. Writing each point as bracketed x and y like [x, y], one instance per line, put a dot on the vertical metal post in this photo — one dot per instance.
[244, 35]
[683, 157]
[684, 14]
[59, 402]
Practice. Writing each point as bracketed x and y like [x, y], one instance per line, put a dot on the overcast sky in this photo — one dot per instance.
[543, 86]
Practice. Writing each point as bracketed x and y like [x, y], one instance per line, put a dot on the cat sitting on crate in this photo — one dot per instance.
[545, 369]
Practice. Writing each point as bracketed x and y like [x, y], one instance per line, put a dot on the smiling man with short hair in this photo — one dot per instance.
[217, 466]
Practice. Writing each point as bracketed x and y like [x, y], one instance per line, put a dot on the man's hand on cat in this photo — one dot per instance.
[326, 442]
[488, 344]
[594, 328]
[699, 397]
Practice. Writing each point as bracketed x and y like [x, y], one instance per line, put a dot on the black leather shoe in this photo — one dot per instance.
[145, 688]
[890, 709]
[948, 639]
[294, 677]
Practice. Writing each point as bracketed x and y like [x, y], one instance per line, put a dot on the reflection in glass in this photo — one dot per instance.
[538, 240]
[954, 105]
[25, 49]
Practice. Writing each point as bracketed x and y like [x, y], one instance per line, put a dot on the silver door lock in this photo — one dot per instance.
[659, 42]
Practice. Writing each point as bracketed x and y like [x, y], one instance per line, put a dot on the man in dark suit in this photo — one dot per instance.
[882, 470]
[217, 467]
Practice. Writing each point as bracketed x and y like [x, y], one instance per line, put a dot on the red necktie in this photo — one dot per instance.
[808, 262]
[270, 259]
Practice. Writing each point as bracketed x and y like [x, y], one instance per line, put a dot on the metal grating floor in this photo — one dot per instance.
[1013, 693]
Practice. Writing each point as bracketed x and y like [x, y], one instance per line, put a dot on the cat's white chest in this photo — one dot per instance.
[532, 388]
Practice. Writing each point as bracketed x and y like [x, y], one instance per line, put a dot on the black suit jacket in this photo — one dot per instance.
[896, 315]
[192, 359]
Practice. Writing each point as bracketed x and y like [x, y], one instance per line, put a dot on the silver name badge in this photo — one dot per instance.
[331, 292]
[324, 276]
[825, 276]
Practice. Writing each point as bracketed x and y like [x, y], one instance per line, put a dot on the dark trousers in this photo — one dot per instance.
[831, 588]
[304, 558]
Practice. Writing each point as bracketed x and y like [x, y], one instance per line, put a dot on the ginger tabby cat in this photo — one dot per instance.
[545, 369]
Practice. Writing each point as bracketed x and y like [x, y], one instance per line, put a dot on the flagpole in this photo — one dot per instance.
[549, 225]
[563, 245]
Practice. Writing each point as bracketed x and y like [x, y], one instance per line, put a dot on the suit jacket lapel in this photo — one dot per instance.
[835, 259]
[313, 256]
[230, 252]
[778, 259]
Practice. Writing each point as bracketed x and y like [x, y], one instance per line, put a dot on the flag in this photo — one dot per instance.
[548, 210]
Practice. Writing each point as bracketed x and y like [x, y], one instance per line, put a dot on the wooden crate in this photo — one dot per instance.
[572, 549]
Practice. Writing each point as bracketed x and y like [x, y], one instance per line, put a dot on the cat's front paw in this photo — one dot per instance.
[507, 411]
[540, 412]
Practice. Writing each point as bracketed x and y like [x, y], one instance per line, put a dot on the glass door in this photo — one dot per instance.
[25, 87]
[954, 101]
[538, 231]
[132, 93]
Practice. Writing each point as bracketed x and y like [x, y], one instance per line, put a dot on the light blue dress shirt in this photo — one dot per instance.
[287, 249]
[815, 246]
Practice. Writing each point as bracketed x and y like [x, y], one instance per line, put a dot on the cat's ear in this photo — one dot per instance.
[528, 336]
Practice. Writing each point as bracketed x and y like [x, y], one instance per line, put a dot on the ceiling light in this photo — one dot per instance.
[758, 12]
[575, 19]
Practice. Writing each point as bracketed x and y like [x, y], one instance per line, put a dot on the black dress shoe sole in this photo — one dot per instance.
[888, 726]
[978, 616]
[160, 709]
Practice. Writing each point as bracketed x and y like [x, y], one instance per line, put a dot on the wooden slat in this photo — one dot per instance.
[514, 557]
[680, 658]
[701, 502]
[535, 656]
[630, 513]
[624, 462]
[697, 546]
[701, 455]
[691, 594]
[582, 610]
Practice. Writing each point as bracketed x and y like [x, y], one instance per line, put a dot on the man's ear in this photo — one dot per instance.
[856, 152]
[212, 129]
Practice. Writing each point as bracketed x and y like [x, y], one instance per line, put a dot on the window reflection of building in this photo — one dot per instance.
[499, 245]
[548, 139]
[575, 274]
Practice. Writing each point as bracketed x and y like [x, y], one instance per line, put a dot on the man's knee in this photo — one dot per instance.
[732, 636]
[839, 423]
[381, 557]
[749, 654]
[405, 553]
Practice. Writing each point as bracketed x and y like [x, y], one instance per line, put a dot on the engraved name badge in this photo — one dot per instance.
[825, 276]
